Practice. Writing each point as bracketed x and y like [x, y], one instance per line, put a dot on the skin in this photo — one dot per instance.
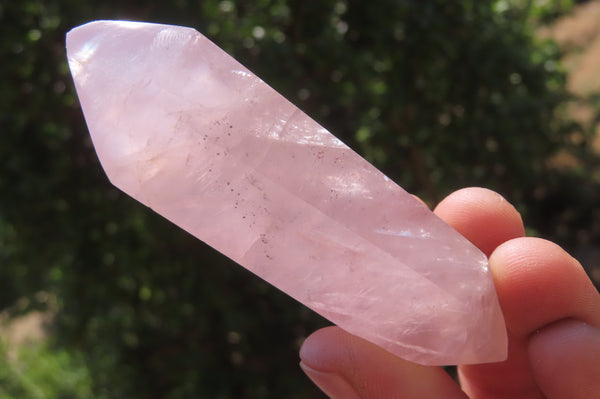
[552, 313]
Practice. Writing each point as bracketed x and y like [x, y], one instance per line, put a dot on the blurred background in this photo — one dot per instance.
[101, 298]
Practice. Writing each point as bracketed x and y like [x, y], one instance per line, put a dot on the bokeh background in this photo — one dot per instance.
[101, 298]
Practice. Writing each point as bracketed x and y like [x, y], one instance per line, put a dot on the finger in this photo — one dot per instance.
[482, 216]
[347, 367]
[538, 284]
[488, 220]
[564, 358]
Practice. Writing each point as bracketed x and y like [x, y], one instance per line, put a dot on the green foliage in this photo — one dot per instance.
[440, 94]
[40, 372]
[539, 10]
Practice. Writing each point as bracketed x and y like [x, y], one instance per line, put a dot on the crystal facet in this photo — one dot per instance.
[188, 131]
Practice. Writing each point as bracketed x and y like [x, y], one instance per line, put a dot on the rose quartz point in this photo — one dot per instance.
[188, 131]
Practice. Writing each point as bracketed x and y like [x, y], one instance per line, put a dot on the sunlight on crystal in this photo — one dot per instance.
[343, 184]
[74, 66]
[321, 137]
[168, 38]
[277, 128]
[130, 24]
[242, 73]
[81, 57]
[405, 233]
[86, 52]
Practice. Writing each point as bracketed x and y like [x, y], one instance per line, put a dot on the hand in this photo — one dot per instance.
[552, 313]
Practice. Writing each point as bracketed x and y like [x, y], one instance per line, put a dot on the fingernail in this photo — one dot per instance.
[332, 384]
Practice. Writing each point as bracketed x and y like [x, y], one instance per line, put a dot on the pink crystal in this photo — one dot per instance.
[188, 131]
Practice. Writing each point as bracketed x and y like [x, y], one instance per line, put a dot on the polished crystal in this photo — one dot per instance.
[188, 131]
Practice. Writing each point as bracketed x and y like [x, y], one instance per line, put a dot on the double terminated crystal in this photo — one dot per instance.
[188, 131]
